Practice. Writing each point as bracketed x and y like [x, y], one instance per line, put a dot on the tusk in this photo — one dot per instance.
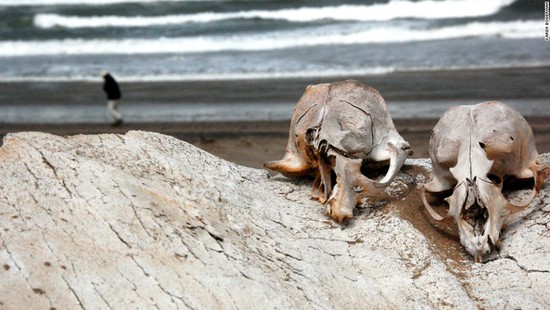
[397, 158]
[325, 169]
[432, 212]
[478, 258]
[317, 190]
[539, 177]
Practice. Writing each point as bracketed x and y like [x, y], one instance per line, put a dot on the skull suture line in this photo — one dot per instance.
[473, 149]
[335, 129]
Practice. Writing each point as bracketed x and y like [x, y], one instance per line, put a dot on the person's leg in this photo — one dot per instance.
[112, 106]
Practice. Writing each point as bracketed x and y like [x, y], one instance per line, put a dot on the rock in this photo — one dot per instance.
[143, 220]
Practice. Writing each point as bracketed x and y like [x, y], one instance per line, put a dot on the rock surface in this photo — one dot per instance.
[144, 220]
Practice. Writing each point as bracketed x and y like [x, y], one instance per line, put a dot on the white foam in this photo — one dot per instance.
[268, 41]
[209, 77]
[308, 74]
[377, 12]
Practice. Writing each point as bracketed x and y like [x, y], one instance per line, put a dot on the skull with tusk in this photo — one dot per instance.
[335, 130]
[473, 150]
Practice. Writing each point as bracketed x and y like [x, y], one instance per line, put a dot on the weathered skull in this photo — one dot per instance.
[335, 129]
[473, 149]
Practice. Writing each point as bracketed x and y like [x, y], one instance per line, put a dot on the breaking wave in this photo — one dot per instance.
[269, 41]
[375, 12]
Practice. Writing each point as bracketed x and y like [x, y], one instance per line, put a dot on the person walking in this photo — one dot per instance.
[111, 88]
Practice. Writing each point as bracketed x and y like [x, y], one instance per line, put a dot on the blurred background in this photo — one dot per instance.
[220, 64]
[144, 40]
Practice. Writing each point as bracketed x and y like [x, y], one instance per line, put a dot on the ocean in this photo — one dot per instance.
[179, 40]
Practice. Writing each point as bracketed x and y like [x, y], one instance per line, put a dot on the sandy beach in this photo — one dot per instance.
[251, 143]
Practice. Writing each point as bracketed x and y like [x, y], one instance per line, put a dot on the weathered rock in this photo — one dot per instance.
[143, 220]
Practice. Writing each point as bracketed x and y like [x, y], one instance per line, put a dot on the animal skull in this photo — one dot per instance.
[335, 129]
[473, 149]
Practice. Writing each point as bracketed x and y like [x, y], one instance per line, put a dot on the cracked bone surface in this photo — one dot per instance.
[474, 150]
[146, 221]
[336, 129]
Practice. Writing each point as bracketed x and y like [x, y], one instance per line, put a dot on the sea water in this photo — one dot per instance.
[146, 40]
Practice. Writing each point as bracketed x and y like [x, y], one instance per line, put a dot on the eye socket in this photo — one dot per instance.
[495, 179]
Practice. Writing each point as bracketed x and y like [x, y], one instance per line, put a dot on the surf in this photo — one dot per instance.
[268, 41]
[363, 13]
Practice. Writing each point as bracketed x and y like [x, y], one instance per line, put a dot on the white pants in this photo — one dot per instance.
[112, 106]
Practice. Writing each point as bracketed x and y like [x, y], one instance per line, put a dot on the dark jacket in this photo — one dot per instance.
[110, 86]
